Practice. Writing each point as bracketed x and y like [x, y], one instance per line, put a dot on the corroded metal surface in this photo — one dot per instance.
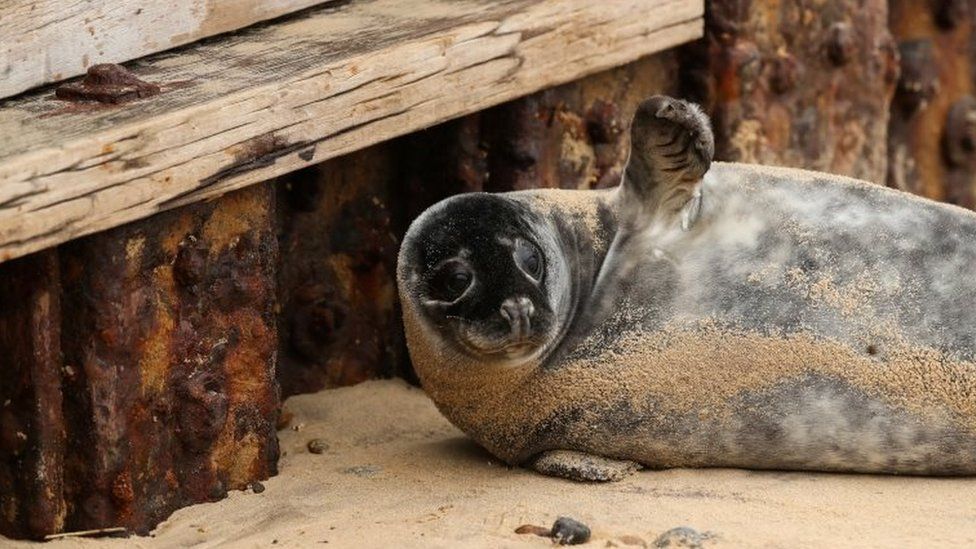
[932, 135]
[339, 322]
[169, 348]
[107, 83]
[571, 136]
[32, 437]
[803, 83]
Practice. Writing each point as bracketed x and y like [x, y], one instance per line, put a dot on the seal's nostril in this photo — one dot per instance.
[506, 312]
[518, 313]
[513, 308]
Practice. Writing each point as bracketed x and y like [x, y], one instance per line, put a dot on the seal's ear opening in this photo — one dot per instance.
[671, 149]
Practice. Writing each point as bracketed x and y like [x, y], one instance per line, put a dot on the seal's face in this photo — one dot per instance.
[485, 275]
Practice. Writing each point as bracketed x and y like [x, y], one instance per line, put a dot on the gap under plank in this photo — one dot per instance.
[272, 99]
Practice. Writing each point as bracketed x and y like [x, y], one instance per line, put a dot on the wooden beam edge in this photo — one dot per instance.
[44, 210]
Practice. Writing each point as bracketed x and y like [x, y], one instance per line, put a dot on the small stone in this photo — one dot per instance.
[681, 536]
[317, 446]
[566, 531]
[257, 487]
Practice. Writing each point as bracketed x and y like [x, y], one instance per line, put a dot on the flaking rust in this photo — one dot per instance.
[170, 336]
[571, 136]
[339, 317]
[32, 436]
[931, 148]
[745, 74]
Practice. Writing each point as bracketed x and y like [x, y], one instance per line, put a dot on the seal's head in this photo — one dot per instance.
[485, 278]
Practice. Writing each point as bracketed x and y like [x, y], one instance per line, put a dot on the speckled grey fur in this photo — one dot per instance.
[753, 249]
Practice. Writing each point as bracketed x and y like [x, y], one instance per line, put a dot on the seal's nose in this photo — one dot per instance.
[518, 312]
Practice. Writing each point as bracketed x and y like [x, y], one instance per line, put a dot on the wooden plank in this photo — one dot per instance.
[273, 99]
[43, 41]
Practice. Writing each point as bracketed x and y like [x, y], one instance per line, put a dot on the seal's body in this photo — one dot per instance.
[699, 315]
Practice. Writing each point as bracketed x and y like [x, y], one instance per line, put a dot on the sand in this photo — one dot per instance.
[396, 474]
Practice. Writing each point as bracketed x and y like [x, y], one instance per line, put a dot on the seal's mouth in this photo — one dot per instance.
[518, 344]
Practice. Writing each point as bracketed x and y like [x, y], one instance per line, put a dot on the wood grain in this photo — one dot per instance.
[43, 41]
[270, 100]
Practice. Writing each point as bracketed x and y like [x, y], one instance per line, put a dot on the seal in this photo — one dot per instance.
[700, 314]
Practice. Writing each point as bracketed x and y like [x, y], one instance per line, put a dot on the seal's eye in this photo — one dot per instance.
[529, 259]
[451, 281]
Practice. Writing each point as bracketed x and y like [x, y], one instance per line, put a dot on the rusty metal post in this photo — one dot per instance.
[800, 83]
[32, 436]
[337, 293]
[447, 159]
[932, 135]
[169, 343]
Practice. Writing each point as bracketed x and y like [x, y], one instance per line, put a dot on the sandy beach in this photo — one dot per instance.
[394, 473]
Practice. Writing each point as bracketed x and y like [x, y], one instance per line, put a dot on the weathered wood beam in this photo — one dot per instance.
[32, 436]
[43, 41]
[273, 99]
[169, 344]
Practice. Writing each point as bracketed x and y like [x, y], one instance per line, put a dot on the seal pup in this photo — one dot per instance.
[699, 315]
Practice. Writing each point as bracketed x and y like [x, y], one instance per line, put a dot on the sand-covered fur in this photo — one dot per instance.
[707, 315]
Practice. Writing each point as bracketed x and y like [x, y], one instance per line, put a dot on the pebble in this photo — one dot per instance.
[566, 531]
[257, 487]
[317, 446]
[681, 536]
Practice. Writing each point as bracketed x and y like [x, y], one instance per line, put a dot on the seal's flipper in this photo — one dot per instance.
[582, 467]
[671, 149]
